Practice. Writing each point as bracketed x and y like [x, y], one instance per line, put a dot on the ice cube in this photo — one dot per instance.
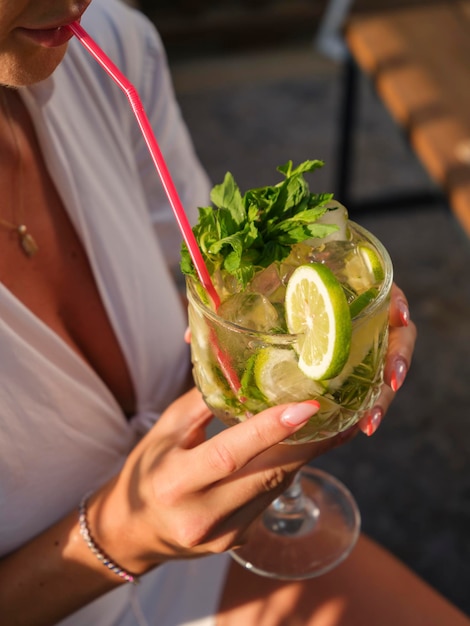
[300, 252]
[250, 310]
[224, 283]
[268, 282]
[338, 215]
[333, 254]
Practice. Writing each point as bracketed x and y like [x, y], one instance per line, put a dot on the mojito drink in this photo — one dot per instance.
[304, 306]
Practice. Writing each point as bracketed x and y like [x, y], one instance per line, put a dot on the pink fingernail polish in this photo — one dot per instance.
[404, 312]
[373, 420]
[398, 374]
[298, 414]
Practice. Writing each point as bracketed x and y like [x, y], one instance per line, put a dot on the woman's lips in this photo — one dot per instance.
[56, 33]
[47, 37]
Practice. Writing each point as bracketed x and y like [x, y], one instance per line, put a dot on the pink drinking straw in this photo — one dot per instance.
[156, 154]
[168, 185]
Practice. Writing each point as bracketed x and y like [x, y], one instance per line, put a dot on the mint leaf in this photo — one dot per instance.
[306, 166]
[228, 196]
[241, 234]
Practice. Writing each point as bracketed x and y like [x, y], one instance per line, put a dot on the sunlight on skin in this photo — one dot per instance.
[32, 40]
[285, 604]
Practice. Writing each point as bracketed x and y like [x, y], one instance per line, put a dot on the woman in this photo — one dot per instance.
[91, 333]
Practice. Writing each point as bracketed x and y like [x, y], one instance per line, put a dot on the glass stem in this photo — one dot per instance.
[292, 513]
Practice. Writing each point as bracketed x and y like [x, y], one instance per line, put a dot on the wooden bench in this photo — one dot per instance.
[418, 58]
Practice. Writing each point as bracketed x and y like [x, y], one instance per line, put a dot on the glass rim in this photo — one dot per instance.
[289, 337]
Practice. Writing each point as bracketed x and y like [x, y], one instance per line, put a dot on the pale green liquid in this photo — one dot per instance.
[343, 399]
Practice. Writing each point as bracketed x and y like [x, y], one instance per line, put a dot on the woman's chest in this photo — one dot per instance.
[57, 284]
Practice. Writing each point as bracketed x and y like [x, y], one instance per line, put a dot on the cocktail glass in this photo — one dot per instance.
[242, 369]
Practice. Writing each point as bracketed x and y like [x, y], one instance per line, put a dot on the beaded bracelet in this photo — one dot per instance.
[100, 555]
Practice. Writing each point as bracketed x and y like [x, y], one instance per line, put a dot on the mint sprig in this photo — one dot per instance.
[243, 234]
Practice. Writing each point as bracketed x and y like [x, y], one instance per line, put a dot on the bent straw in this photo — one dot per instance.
[170, 189]
[162, 169]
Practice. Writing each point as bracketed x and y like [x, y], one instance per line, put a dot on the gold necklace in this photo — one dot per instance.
[27, 242]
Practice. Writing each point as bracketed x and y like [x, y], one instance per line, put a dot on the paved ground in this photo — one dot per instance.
[249, 113]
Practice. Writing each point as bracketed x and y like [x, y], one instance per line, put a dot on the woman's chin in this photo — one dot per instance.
[22, 71]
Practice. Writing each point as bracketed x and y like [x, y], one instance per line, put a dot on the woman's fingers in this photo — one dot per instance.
[235, 447]
[263, 478]
[399, 309]
[241, 497]
[402, 339]
[196, 491]
[183, 420]
[224, 456]
[401, 345]
[238, 499]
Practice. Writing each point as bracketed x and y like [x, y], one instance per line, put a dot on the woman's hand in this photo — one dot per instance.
[402, 338]
[180, 495]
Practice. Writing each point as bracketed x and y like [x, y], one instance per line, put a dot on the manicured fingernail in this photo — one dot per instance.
[398, 375]
[404, 312]
[298, 414]
[373, 421]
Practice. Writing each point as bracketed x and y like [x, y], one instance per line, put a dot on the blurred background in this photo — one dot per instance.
[255, 92]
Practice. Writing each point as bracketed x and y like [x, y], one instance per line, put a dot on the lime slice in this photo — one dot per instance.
[317, 311]
[278, 377]
[360, 303]
[364, 268]
[372, 261]
[366, 336]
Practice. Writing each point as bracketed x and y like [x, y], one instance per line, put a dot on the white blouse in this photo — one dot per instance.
[62, 432]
